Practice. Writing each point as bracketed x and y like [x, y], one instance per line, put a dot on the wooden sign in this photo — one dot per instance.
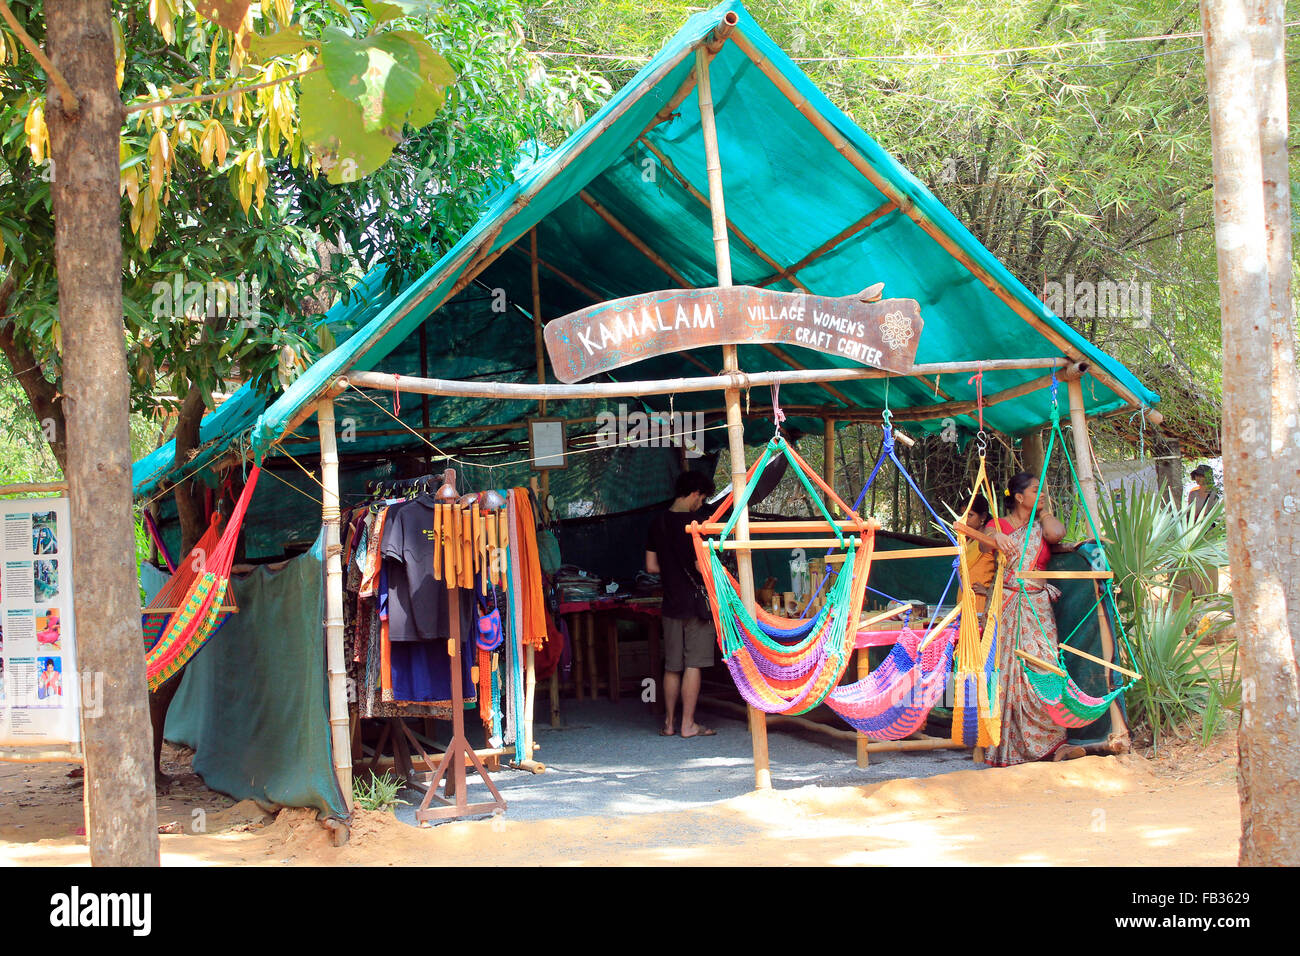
[602, 337]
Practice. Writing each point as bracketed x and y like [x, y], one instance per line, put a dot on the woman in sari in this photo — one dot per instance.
[1028, 623]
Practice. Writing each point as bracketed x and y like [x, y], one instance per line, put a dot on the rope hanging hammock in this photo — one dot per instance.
[780, 667]
[1061, 697]
[894, 700]
[191, 607]
[977, 709]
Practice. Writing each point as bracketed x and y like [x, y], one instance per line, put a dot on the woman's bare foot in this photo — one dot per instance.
[1069, 752]
[698, 730]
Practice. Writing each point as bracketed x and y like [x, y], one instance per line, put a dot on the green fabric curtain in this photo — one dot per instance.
[253, 703]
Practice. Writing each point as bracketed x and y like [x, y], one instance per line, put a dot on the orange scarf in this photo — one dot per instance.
[532, 630]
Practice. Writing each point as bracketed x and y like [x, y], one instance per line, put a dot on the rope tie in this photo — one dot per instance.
[778, 416]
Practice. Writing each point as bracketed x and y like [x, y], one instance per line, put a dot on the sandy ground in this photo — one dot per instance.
[1177, 809]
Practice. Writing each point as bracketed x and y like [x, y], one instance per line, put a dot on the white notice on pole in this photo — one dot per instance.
[39, 697]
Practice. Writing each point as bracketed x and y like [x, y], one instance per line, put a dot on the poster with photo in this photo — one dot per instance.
[39, 700]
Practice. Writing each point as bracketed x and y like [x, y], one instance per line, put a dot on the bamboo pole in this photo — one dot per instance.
[908, 207]
[862, 741]
[337, 675]
[939, 628]
[828, 455]
[1118, 741]
[523, 391]
[786, 527]
[530, 698]
[946, 551]
[866, 745]
[731, 363]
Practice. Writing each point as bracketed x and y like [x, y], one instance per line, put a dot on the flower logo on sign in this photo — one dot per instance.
[897, 330]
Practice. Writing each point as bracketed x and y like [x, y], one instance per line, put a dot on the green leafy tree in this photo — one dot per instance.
[258, 181]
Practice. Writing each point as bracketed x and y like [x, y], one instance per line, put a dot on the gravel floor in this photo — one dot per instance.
[609, 760]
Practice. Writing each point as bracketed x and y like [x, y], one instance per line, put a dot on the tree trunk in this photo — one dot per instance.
[1031, 447]
[1269, 47]
[121, 817]
[1169, 466]
[1256, 484]
[188, 493]
[42, 395]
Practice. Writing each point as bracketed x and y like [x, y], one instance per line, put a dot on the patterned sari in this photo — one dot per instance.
[1028, 733]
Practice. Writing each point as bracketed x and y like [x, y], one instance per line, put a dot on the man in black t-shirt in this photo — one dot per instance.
[688, 638]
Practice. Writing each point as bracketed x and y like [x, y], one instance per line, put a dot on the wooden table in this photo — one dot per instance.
[585, 618]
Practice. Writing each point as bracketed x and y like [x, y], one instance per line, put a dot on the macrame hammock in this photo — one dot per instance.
[1061, 697]
[191, 607]
[780, 666]
[894, 700]
[977, 709]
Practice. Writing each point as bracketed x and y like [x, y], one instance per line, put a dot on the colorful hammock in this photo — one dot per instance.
[977, 709]
[894, 700]
[191, 606]
[1065, 703]
[782, 667]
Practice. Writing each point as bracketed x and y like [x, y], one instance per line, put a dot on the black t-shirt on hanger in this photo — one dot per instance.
[417, 601]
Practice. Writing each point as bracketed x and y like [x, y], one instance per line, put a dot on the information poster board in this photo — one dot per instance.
[38, 664]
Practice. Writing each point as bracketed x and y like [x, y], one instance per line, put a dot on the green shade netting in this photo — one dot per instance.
[253, 704]
[787, 188]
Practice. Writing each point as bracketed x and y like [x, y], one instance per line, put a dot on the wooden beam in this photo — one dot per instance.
[791, 361]
[952, 409]
[33, 488]
[522, 391]
[1098, 660]
[639, 244]
[883, 209]
[538, 347]
[908, 208]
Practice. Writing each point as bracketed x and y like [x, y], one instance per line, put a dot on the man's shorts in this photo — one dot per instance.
[688, 642]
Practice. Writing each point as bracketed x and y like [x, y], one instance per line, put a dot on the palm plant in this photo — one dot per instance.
[1154, 545]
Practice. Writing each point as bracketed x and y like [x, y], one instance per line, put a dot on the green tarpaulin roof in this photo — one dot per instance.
[787, 188]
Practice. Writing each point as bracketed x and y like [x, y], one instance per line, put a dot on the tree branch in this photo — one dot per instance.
[70, 104]
[42, 395]
[204, 97]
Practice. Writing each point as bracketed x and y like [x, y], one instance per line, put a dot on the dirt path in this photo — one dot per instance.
[1180, 809]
